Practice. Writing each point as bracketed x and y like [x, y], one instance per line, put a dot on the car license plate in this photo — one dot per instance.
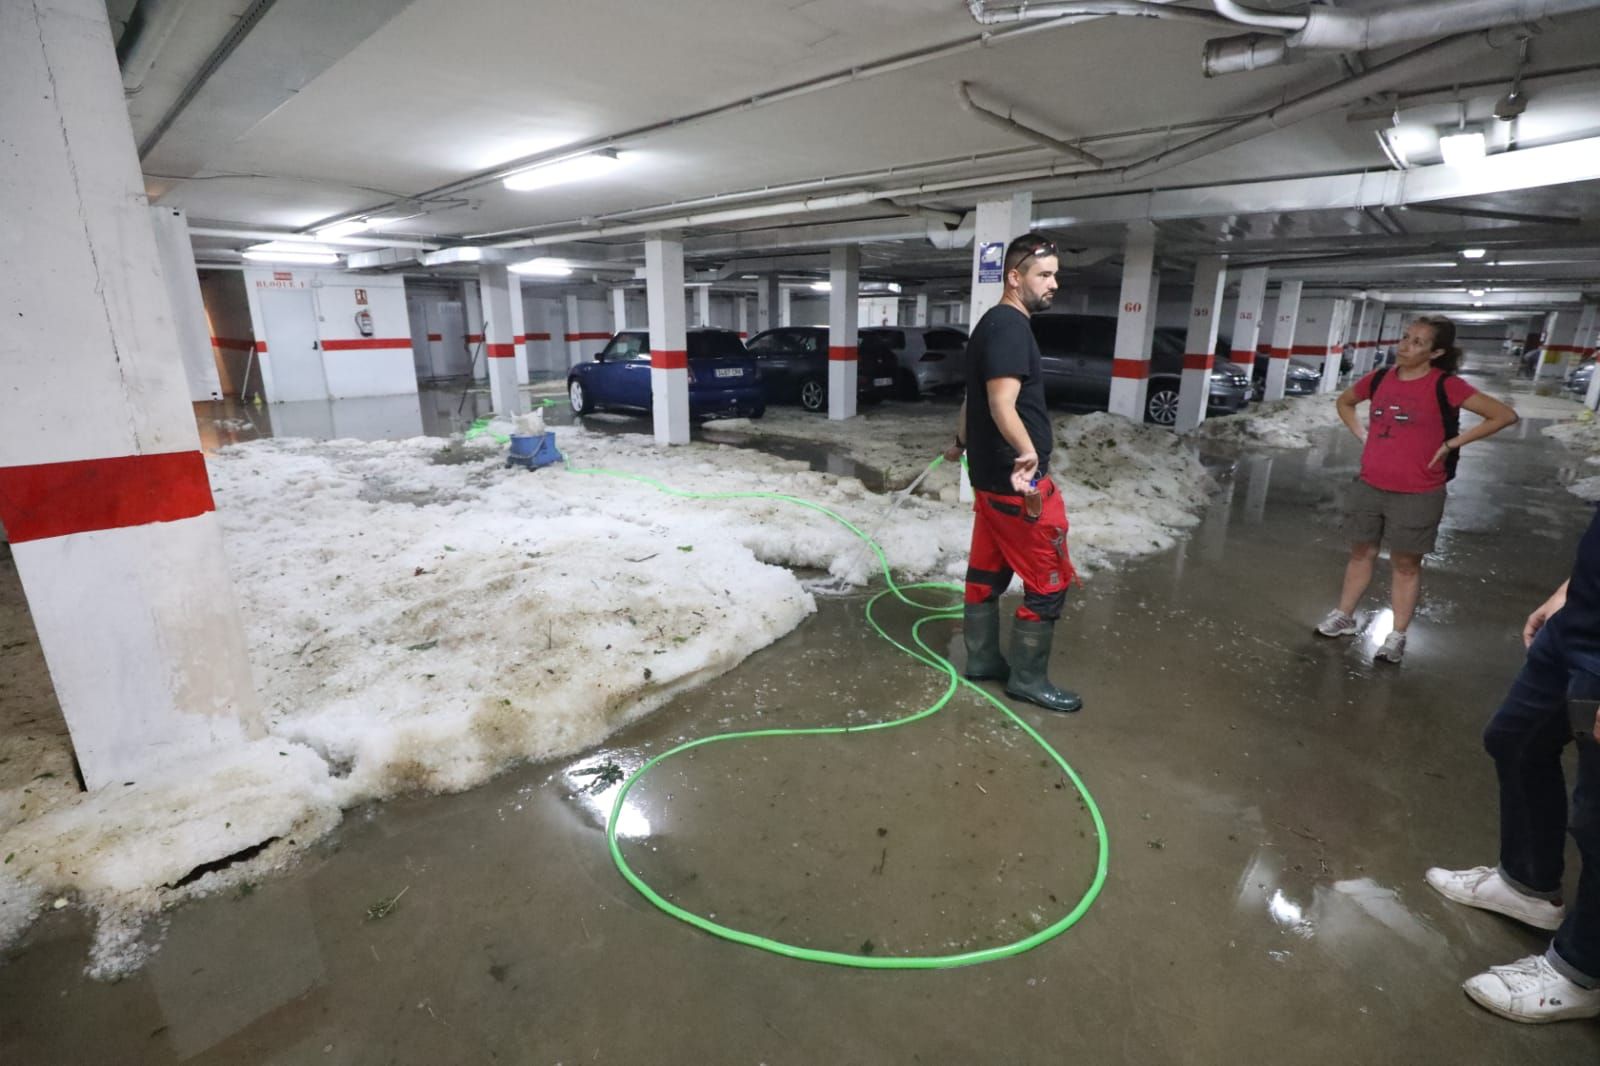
[882, 382]
[729, 372]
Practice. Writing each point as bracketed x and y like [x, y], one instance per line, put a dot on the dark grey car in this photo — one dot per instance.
[1077, 354]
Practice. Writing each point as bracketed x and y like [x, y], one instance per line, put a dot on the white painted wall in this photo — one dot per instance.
[233, 335]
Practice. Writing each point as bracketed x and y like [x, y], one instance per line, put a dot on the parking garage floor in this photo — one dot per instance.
[1271, 802]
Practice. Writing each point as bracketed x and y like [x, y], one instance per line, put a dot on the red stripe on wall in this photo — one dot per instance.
[538, 336]
[669, 360]
[501, 351]
[1130, 368]
[362, 344]
[1278, 353]
[1312, 349]
[1390, 340]
[1199, 362]
[474, 338]
[588, 336]
[743, 335]
[232, 344]
[844, 353]
[58, 499]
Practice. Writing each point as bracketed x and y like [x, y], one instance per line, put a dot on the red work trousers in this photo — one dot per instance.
[1005, 540]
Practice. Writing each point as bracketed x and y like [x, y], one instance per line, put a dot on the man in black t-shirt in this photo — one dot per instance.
[1020, 524]
[1554, 700]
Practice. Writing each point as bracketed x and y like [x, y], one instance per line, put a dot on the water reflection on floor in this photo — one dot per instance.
[1271, 801]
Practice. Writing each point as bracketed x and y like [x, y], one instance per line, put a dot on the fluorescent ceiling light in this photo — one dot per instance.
[351, 225]
[1474, 292]
[894, 286]
[1460, 148]
[543, 267]
[577, 168]
[1472, 253]
[305, 258]
[822, 286]
[1477, 303]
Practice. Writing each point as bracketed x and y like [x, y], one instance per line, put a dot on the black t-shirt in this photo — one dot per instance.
[1002, 346]
[1580, 618]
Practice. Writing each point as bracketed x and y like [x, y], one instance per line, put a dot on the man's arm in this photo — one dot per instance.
[1003, 394]
[1542, 614]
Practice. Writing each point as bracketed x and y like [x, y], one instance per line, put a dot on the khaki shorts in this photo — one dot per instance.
[1407, 521]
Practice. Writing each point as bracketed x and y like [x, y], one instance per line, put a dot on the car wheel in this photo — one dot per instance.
[1161, 404]
[758, 410]
[575, 396]
[813, 395]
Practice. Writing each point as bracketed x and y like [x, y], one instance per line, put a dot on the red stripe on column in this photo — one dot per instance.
[1278, 353]
[436, 336]
[1390, 340]
[669, 360]
[261, 346]
[501, 351]
[232, 344]
[1242, 355]
[844, 353]
[1130, 368]
[1312, 349]
[588, 336]
[364, 344]
[58, 499]
[743, 335]
[521, 338]
[1561, 348]
[1199, 362]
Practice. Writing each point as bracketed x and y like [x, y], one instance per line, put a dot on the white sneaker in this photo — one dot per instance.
[1337, 624]
[1392, 650]
[1484, 888]
[1530, 990]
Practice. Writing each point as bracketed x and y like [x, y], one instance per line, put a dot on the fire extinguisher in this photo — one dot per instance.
[364, 322]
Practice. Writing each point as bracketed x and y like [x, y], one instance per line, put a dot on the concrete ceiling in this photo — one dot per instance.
[296, 112]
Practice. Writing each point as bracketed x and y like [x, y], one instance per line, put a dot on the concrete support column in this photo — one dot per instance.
[1589, 340]
[1285, 317]
[619, 310]
[1368, 336]
[499, 343]
[844, 277]
[1357, 322]
[110, 517]
[1247, 319]
[742, 317]
[669, 343]
[472, 312]
[574, 336]
[188, 309]
[1332, 346]
[1130, 365]
[998, 221]
[702, 305]
[920, 316]
[1547, 343]
[1394, 324]
[519, 328]
[1199, 347]
[785, 307]
[1569, 348]
[767, 303]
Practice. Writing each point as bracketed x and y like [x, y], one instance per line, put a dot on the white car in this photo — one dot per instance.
[930, 358]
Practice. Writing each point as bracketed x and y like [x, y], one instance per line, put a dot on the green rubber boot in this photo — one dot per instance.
[980, 624]
[1030, 665]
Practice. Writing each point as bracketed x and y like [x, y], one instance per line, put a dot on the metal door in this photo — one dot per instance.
[292, 356]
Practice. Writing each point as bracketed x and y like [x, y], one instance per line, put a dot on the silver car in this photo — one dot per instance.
[931, 358]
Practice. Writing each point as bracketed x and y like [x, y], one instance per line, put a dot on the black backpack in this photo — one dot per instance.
[1448, 414]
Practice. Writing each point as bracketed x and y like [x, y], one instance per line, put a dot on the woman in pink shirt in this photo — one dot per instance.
[1407, 457]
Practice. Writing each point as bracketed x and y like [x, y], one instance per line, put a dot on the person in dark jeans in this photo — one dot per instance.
[1554, 700]
[1019, 522]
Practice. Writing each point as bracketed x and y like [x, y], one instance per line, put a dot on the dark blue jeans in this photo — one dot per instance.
[1526, 737]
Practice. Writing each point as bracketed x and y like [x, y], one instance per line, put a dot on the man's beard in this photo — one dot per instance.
[1038, 303]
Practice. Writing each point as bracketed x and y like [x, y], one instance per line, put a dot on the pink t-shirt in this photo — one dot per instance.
[1405, 429]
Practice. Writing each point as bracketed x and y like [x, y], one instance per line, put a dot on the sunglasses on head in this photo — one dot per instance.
[1047, 248]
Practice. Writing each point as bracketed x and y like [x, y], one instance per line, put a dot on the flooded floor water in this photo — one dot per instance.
[1271, 801]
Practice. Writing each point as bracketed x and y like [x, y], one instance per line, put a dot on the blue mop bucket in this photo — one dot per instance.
[532, 452]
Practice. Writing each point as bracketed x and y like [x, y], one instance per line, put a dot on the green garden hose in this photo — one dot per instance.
[928, 657]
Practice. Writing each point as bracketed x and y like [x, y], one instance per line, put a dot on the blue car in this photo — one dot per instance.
[724, 380]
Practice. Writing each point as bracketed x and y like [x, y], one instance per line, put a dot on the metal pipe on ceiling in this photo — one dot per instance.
[1330, 29]
[232, 233]
[219, 55]
[1011, 125]
[1087, 9]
